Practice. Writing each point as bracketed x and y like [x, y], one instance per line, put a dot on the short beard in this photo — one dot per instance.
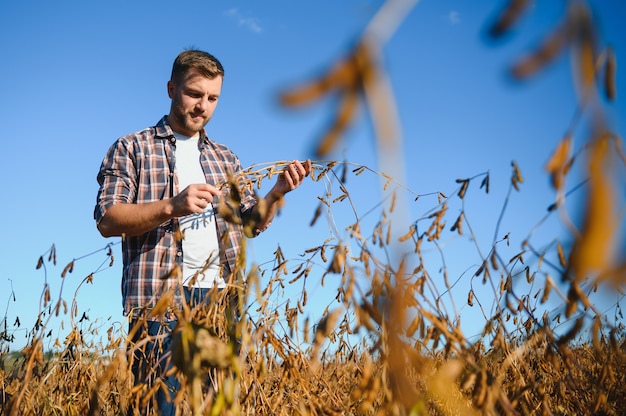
[183, 121]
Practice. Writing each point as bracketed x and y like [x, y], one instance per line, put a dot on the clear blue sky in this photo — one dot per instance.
[77, 75]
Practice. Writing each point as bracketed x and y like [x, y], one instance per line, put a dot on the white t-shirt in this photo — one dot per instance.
[200, 243]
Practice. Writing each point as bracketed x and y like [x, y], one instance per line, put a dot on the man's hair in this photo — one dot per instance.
[203, 62]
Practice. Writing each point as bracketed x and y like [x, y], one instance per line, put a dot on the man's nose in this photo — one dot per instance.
[202, 104]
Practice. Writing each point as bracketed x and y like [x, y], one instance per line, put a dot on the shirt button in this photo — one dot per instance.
[178, 254]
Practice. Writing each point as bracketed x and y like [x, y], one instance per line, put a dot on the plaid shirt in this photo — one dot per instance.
[140, 168]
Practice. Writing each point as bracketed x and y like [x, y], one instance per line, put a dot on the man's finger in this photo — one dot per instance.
[299, 168]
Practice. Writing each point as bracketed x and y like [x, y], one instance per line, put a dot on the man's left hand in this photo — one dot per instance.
[292, 176]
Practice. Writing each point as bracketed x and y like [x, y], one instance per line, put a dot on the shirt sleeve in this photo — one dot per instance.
[117, 178]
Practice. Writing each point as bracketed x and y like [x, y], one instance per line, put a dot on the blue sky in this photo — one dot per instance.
[77, 75]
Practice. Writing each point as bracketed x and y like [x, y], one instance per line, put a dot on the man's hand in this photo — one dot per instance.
[193, 199]
[291, 177]
[135, 219]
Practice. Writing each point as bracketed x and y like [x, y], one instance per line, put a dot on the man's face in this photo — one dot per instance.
[194, 99]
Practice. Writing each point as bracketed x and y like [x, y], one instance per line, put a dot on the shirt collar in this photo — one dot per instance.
[164, 131]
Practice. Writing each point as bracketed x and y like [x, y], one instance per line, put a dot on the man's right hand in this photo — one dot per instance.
[135, 219]
[193, 199]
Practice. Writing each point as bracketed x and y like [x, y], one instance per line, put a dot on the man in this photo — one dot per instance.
[160, 189]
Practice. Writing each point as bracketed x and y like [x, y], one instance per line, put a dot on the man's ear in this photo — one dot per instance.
[170, 89]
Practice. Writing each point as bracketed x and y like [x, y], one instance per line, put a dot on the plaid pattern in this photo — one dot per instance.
[140, 168]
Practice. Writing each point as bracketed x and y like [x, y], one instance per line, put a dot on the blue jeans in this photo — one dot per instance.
[153, 360]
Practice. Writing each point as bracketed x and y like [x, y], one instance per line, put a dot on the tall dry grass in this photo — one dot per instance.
[391, 342]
